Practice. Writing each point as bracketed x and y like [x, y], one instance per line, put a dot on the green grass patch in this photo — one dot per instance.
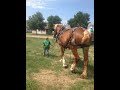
[36, 62]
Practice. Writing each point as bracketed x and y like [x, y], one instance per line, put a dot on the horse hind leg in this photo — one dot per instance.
[64, 63]
[85, 52]
[77, 58]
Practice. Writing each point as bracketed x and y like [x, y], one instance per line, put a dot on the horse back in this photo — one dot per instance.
[81, 37]
[75, 36]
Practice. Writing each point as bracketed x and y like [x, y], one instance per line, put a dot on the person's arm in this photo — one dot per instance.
[50, 44]
[43, 44]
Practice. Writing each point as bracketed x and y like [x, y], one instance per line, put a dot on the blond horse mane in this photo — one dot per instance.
[55, 26]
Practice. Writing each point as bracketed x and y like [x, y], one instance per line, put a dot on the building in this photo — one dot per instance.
[91, 24]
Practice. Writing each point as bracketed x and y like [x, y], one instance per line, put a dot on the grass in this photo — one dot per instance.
[46, 73]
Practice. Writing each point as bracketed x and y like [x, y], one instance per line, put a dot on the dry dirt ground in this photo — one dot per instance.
[49, 78]
[35, 36]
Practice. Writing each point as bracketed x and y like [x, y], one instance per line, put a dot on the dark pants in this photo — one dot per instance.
[46, 51]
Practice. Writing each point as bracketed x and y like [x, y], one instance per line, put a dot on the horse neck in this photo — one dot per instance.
[61, 31]
[67, 38]
[66, 33]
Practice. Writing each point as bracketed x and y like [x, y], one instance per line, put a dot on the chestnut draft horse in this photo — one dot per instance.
[73, 38]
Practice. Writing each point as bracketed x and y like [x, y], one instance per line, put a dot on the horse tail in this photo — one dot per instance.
[86, 36]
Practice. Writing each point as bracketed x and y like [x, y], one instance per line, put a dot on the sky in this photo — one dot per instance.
[65, 9]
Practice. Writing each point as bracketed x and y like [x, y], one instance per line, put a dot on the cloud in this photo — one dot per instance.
[26, 18]
[39, 3]
[64, 22]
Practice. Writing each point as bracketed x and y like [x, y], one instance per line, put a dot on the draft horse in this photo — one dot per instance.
[73, 38]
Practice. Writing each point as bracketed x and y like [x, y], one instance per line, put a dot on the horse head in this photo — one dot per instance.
[57, 29]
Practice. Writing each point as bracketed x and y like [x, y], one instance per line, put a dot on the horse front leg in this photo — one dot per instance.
[85, 52]
[76, 59]
[61, 53]
[62, 57]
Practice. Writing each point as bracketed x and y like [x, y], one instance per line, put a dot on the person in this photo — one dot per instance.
[46, 44]
[91, 30]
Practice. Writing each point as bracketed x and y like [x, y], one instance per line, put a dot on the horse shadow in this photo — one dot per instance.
[53, 55]
[79, 68]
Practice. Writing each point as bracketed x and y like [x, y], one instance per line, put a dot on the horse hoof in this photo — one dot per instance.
[65, 66]
[83, 76]
[73, 71]
[60, 60]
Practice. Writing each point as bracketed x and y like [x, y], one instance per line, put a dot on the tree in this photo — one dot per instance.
[80, 19]
[72, 22]
[53, 20]
[36, 21]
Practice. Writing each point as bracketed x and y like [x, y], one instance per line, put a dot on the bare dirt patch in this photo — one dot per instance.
[49, 78]
[35, 36]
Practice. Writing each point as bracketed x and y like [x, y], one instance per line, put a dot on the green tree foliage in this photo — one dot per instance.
[53, 20]
[36, 21]
[80, 19]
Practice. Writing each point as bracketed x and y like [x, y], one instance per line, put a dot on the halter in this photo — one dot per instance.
[60, 31]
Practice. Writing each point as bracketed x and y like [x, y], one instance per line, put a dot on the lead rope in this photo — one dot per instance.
[54, 42]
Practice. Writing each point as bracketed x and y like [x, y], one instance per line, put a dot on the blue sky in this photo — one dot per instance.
[65, 9]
